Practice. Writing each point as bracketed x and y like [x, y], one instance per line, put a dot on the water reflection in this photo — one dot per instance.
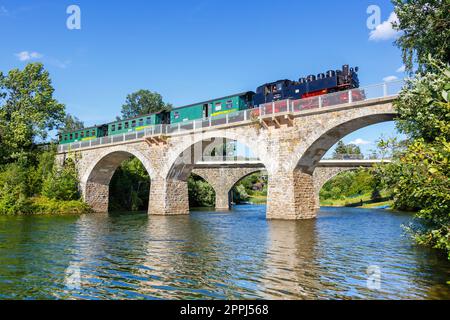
[291, 264]
[210, 255]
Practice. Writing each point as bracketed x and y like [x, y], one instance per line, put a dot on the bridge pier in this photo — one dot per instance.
[168, 197]
[96, 195]
[223, 201]
[291, 196]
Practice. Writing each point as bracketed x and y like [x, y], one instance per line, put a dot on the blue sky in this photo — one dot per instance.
[195, 50]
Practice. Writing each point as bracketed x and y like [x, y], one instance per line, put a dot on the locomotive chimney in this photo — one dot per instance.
[345, 69]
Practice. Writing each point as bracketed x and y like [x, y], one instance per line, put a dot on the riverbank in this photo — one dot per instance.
[46, 206]
[363, 201]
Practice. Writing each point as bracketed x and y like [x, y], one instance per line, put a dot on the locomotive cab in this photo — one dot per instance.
[272, 91]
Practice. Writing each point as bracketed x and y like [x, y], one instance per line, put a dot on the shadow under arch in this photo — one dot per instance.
[95, 182]
[319, 147]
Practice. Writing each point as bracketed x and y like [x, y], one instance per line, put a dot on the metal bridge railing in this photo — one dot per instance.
[387, 89]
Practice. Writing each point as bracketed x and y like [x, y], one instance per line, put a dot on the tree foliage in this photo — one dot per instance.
[71, 123]
[130, 187]
[419, 176]
[425, 26]
[201, 193]
[62, 183]
[29, 180]
[143, 102]
[350, 184]
[343, 149]
[28, 111]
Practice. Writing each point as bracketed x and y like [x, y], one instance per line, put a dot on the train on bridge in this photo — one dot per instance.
[311, 86]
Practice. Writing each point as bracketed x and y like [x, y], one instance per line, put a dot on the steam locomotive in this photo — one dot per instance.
[310, 86]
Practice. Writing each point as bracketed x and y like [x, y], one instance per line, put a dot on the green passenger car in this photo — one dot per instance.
[135, 124]
[82, 135]
[212, 108]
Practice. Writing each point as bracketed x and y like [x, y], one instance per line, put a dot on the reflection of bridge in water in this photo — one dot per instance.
[289, 139]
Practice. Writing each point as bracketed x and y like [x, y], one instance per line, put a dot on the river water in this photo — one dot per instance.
[209, 255]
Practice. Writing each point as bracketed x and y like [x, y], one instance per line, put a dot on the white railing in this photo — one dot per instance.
[221, 159]
[387, 89]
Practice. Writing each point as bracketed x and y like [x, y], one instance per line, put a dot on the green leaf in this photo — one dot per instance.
[433, 170]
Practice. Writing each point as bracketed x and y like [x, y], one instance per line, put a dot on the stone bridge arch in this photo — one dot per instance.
[187, 151]
[96, 170]
[170, 186]
[314, 133]
[223, 180]
[334, 128]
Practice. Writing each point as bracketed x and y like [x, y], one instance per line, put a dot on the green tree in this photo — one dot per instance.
[28, 111]
[14, 189]
[419, 177]
[201, 193]
[130, 187]
[343, 149]
[62, 183]
[71, 123]
[425, 26]
[143, 102]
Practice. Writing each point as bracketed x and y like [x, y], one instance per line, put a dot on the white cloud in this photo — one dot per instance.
[360, 142]
[26, 56]
[401, 69]
[385, 31]
[390, 78]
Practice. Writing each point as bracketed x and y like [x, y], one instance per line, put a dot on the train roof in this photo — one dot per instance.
[208, 101]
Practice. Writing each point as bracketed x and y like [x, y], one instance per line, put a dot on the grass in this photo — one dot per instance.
[43, 205]
[362, 201]
[258, 199]
[365, 199]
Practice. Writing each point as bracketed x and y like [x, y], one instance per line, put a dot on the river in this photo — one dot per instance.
[209, 255]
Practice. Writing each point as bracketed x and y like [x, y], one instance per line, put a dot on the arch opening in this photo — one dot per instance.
[349, 187]
[219, 174]
[318, 148]
[113, 176]
[250, 189]
[129, 188]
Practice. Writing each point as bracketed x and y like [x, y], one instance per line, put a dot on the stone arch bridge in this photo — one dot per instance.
[289, 145]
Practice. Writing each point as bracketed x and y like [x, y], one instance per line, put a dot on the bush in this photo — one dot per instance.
[62, 183]
[14, 190]
[43, 205]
